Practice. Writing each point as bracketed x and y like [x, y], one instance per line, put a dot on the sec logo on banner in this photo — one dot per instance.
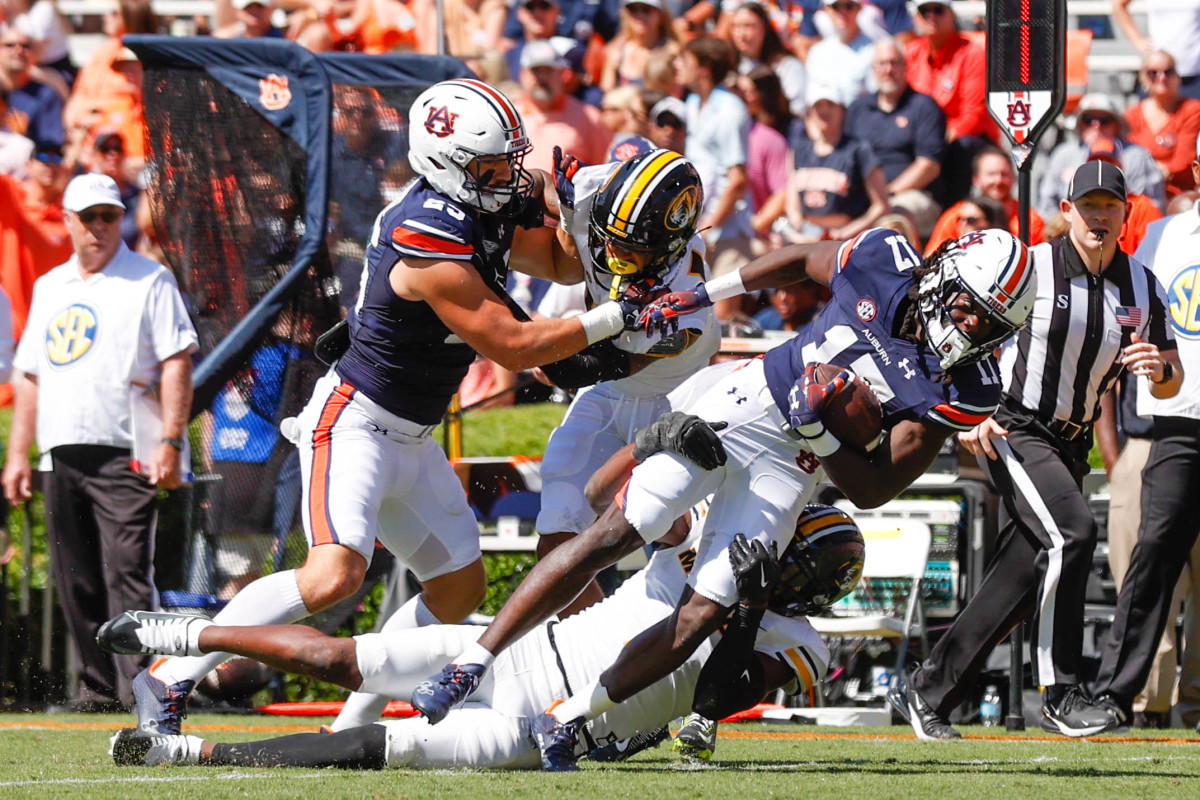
[1183, 298]
[70, 335]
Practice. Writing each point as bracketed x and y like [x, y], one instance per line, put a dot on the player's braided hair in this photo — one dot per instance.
[910, 323]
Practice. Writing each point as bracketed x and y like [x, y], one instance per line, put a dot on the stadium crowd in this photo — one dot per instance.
[806, 121]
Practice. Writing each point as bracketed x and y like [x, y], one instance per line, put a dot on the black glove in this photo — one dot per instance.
[683, 434]
[754, 568]
[565, 167]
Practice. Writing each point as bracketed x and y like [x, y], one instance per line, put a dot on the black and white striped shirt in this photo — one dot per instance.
[1069, 354]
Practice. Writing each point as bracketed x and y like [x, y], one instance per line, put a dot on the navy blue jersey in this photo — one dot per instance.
[835, 183]
[855, 330]
[401, 354]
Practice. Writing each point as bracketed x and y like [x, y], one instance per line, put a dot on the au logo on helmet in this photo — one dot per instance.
[440, 122]
[683, 209]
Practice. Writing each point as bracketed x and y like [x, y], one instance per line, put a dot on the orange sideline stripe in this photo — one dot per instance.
[318, 500]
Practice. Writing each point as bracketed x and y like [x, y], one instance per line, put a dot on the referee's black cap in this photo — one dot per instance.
[1093, 175]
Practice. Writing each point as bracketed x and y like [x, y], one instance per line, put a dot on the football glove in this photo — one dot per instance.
[808, 398]
[565, 167]
[663, 314]
[683, 434]
[755, 569]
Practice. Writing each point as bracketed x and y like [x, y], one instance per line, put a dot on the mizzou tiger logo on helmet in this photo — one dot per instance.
[684, 209]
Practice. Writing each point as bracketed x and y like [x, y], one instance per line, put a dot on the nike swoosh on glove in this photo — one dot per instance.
[663, 314]
[755, 570]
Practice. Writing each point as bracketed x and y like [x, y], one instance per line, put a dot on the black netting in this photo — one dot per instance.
[228, 192]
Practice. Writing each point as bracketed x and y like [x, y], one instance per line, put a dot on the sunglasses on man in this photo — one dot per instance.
[107, 216]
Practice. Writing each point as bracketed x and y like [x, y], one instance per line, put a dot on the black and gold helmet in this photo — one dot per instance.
[651, 203]
[821, 565]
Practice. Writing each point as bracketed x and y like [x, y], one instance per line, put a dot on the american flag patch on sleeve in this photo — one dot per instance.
[1128, 316]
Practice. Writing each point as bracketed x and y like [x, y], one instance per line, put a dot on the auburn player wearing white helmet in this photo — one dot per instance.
[432, 297]
[921, 334]
[634, 227]
[771, 646]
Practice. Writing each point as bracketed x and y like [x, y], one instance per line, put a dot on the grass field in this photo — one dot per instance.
[65, 756]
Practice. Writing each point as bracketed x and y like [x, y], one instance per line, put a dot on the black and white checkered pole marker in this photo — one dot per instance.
[1026, 88]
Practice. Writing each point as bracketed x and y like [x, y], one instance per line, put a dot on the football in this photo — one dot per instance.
[854, 415]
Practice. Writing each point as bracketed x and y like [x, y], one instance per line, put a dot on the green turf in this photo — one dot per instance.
[843, 763]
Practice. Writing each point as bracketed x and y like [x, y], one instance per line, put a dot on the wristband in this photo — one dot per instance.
[603, 321]
[174, 441]
[726, 286]
[824, 445]
[1168, 373]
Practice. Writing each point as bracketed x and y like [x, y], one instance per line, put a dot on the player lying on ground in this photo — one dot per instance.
[921, 333]
[766, 646]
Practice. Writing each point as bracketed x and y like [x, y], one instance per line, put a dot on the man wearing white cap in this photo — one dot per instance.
[553, 117]
[105, 326]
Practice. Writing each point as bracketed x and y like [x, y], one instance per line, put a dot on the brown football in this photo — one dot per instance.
[854, 415]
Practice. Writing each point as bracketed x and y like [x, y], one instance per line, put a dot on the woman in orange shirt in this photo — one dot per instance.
[1166, 123]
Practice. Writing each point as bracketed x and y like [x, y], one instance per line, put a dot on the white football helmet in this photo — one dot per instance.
[453, 122]
[995, 269]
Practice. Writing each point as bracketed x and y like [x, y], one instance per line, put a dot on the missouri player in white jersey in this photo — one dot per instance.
[633, 225]
[822, 562]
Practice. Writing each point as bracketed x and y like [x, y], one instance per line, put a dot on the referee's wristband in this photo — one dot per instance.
[174, 441]
[1168, 373]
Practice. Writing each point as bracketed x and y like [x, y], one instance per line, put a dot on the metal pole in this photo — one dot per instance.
[1015, 721]
[441, 27]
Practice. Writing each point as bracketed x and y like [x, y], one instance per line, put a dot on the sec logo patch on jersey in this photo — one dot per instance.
[71, 335]
[866, 309]
[1183, 302]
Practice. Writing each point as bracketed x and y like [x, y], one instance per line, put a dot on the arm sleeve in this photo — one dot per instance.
[171, 329]
[732, 678]
[601, 361]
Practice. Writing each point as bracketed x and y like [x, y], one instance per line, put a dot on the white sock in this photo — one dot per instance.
[589, 703]
[271, 600]
[194, 629]
[363, 708]
[476, 654]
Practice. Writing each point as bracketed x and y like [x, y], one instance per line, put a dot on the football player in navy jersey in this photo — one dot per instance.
[922, 334]
[432, 296]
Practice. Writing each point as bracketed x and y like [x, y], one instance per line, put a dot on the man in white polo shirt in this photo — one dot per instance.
[104, 325]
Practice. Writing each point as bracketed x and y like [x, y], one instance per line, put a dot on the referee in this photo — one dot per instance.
[1096, 312]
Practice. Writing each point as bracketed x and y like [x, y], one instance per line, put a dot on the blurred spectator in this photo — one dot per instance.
[991, 176]
[362, 148]
[1166, 122]
[35, 110]
[576, 19]
[844, 57]
[552, 117]
[578, 80]
[40, 21]
[660, 75]
[902, 224]
[981, 213]
[718, 129]
[472, 27]
[253, 21]
[767, 147]
[836, 188]
[387, 26]
[952, 69]
[667, 124]
[105, 325]
[538, 21]
[623, 114]
[758, 44]
[645, 27]
[1173, 27]
[108, 90]
[109, 159]
[907, 132]
[15, 149]
[1142, 210]
[793, 307]
[1096, 116]
[44, 186]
